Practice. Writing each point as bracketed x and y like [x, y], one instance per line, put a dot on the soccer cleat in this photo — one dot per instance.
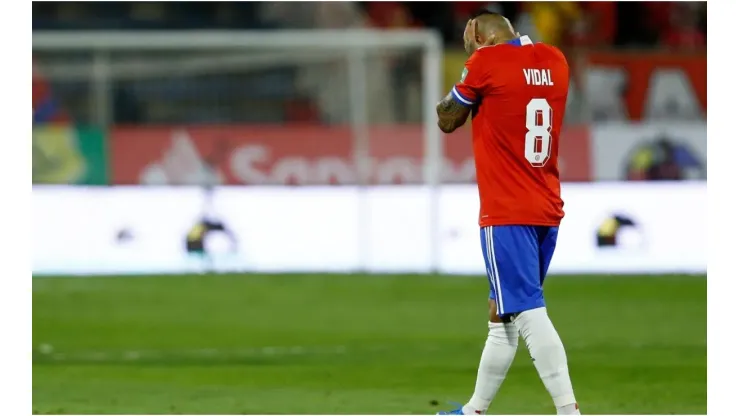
[458, 411]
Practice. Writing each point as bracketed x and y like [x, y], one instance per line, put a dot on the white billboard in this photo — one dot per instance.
[621, 150]
[608, 228]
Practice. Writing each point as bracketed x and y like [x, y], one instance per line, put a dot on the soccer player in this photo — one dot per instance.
[516, 91]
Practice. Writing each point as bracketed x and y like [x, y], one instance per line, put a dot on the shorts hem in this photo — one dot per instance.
[519, 308]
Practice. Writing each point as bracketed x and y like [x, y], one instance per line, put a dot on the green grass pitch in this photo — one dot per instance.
[349, 344]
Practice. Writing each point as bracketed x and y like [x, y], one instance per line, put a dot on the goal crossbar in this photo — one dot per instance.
[204, 39]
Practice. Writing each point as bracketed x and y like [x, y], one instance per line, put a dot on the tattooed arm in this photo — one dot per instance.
[451, 114]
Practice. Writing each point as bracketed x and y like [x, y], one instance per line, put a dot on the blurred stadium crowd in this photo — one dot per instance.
[621, 24]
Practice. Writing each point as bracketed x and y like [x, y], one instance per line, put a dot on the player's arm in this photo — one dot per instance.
[454, 109]
[451, 114]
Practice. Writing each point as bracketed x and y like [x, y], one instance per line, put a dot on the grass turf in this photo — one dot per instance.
[336, 344]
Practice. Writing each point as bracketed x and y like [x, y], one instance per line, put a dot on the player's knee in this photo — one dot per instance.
[538, 331]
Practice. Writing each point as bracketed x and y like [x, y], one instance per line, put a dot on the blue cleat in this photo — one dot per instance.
[458, 411]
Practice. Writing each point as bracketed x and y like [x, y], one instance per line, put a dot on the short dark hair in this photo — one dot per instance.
[484, 12]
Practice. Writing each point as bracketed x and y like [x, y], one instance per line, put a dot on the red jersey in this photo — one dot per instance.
[517, 91]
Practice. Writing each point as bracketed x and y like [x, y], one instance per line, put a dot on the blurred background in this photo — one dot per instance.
[215, 139]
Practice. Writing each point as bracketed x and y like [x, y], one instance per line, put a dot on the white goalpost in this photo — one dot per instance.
[101, 58]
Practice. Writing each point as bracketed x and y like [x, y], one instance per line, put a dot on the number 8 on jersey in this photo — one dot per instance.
[538, 141]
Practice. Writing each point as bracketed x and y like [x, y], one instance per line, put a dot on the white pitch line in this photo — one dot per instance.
[47, 351]
[132, 355]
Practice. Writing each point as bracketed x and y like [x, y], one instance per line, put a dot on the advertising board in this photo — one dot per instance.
[608, 228]
[300, 155]
[643, 151]
[69, 155]
[646, 85]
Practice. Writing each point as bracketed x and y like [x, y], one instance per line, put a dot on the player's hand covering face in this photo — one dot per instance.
[471, 39]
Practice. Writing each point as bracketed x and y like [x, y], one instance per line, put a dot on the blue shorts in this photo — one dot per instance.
[517, 258]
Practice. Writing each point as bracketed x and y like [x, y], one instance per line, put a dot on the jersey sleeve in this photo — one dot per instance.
[473, 82]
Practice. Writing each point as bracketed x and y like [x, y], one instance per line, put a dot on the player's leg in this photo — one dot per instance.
[501, 253]
[539, 334]
[498, 353]
[499, 349]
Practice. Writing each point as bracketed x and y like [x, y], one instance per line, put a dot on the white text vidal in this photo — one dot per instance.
[538, 77]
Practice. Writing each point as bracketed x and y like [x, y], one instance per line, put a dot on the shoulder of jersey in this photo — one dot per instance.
[554, 49]
[486, 52]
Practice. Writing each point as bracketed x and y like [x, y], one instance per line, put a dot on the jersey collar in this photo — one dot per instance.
[520, 41]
